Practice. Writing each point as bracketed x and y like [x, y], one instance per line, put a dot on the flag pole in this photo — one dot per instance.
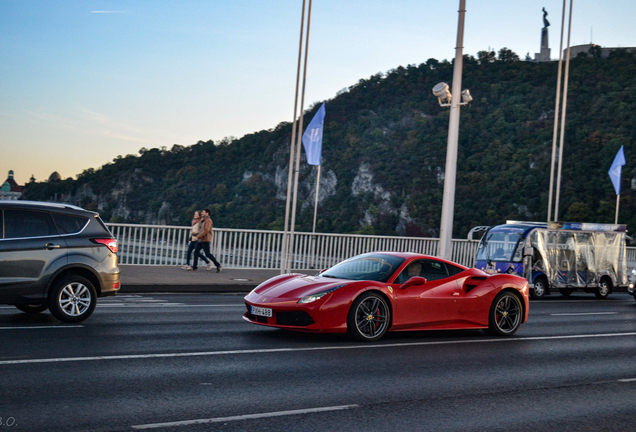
[617, 203]
[316, 203]
[292, 228]
[313, 231]
[563, 111]
[556, 117]
[286, 234]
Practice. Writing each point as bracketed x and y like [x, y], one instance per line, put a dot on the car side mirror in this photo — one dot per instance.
[414, 281]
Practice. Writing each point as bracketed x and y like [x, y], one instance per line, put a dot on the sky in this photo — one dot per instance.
[84, 81]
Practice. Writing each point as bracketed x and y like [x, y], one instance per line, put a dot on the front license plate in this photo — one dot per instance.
[266, 312]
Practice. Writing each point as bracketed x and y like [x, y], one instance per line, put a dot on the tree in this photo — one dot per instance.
[486, 57]
[506, 55]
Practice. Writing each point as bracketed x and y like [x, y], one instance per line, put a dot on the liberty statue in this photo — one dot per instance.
[546, 23]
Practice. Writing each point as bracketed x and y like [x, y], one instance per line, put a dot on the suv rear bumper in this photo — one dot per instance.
[110, 284]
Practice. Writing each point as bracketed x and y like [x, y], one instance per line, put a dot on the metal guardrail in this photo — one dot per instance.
[254, 249]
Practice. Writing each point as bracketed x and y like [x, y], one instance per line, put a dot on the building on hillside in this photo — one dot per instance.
[55, 177]
[590, 48]
[10, 190]
[602, 52]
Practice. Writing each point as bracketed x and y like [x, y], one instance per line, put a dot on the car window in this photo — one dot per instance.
[1, 225]
[69, 224]
[433, 270]
[414, 268]
[452, 270]
[372, 266]
[27, 223]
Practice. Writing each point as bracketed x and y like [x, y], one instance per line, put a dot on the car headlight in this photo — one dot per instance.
[314, 297]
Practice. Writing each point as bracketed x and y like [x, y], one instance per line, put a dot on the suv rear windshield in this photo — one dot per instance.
[69, 224]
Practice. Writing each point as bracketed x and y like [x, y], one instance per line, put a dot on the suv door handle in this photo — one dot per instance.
[50, 246]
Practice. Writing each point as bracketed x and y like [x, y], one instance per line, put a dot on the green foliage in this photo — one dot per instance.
[393, 124]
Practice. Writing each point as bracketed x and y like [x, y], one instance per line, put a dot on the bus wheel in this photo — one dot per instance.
[603, 289]
[540, 288]
[565, 292]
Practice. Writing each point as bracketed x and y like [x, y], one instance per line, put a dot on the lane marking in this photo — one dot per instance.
[245, 417]
[627, 380]
[326, 348]
[585, 313]
[157, 305]
[42, 327]
[590, 301]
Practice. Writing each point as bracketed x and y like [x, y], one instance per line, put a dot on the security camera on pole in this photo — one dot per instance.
[450, 174]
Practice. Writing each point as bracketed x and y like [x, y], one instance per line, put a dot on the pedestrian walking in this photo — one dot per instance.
[203, 242]
[196, 229]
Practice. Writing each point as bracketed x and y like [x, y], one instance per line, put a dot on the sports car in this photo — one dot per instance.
[370, 294]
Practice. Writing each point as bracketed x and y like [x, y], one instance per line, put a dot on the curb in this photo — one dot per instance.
[164, 288]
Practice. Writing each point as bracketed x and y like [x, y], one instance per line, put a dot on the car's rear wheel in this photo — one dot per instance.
[603, 289]
[369, 317]
[72, 299]
[540, 288]
[32, 309]
[505, 314]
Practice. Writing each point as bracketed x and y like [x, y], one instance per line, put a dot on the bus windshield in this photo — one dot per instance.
[500, 245]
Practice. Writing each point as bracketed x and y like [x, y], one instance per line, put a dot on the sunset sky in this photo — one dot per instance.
[82, 82]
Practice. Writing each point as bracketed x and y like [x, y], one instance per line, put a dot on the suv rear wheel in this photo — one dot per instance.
[72, 299]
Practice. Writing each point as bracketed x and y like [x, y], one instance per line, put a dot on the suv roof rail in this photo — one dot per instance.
[41, 203]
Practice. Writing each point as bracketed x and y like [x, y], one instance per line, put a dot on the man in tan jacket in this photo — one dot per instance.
[203, 242]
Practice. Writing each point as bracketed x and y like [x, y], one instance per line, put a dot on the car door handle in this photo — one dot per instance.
[50, 246]
[455, 293]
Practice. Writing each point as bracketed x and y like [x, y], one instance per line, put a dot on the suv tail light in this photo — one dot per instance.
[109, 243]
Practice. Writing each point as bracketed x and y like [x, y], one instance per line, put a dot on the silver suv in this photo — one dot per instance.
[55, 256]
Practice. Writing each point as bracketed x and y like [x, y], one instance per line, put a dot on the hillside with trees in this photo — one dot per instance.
[384, 152]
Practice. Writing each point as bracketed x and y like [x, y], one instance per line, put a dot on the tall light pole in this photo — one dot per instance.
[295, 146]
[448, 204]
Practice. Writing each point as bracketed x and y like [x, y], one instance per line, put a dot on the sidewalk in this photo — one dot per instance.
[146, 279]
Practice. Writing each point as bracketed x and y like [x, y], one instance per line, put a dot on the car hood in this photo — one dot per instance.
[293, 288]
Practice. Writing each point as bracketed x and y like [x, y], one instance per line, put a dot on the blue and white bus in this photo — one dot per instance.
[559, 255]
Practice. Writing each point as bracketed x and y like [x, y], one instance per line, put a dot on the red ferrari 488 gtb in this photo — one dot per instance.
[370, 294]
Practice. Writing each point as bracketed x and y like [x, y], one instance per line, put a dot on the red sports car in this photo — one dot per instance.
[373, 293]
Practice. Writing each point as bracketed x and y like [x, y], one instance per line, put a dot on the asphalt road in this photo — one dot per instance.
[188, 362]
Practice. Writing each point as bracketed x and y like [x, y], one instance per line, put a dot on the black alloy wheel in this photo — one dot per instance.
[369, 317]
[505, 314]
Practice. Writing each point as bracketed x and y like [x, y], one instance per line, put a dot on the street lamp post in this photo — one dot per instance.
[450, 174]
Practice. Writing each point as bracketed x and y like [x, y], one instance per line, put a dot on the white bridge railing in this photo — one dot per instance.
[254, 249]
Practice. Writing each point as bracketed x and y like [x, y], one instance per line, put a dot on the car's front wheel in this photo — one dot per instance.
[72, 299]
[32, 309]
[505, 315]
[369, 317]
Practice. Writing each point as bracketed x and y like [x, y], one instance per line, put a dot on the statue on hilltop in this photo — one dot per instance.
[546, 23]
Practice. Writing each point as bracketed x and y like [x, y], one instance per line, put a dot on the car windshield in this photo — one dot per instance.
[499, 245]
[373, 267]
